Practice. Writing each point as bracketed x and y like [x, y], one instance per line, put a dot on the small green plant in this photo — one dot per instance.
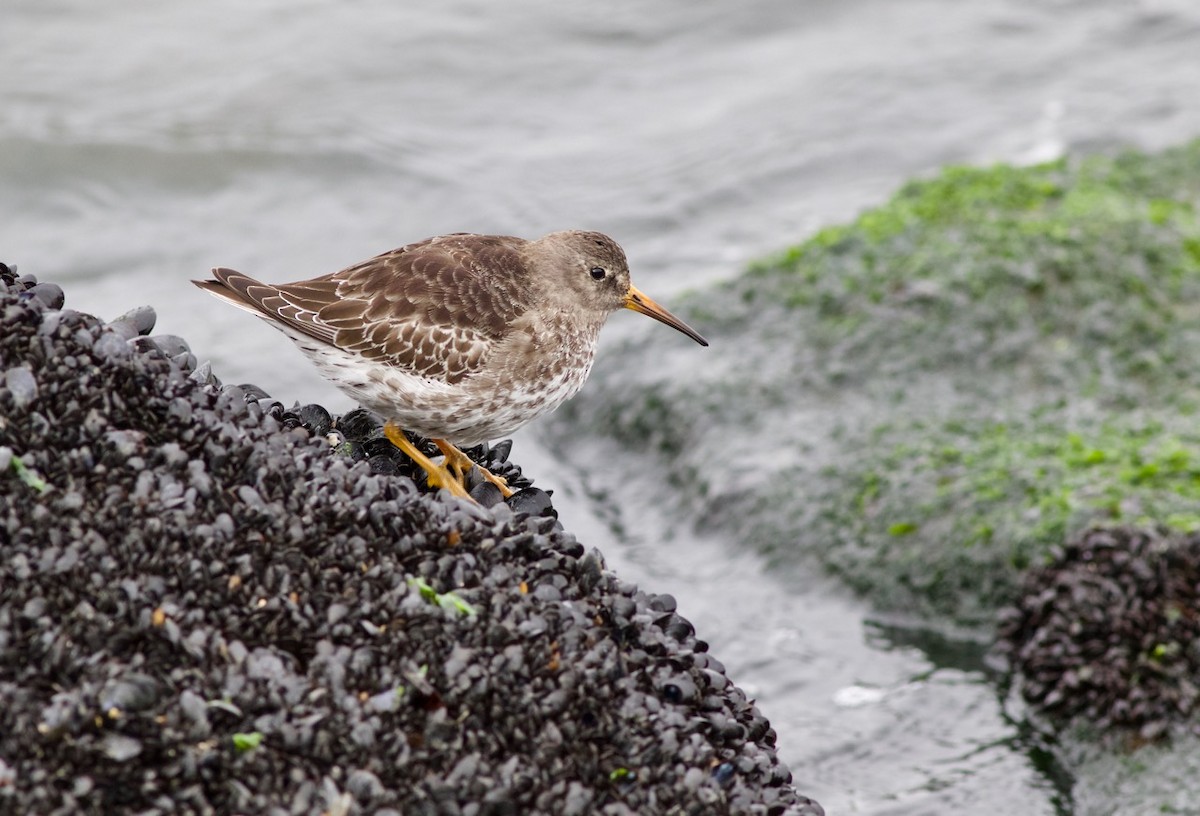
[27, 476]
[622, 775]
[446, 600]
[245, 742]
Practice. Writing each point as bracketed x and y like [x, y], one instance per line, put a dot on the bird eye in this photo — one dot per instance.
[598, 273]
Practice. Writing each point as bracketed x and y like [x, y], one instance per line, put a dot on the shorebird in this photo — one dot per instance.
[460, 338]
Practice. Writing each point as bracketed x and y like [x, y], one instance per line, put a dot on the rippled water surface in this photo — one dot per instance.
[141, 143]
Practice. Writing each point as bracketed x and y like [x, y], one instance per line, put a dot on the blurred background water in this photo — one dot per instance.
[142, 143]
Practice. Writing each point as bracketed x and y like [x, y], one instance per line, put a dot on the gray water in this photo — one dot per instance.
[142, 143]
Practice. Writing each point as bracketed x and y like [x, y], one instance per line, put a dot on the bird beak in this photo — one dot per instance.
[634, 299]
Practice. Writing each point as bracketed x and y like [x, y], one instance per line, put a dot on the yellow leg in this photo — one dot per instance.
[438, 475]
[461, 465]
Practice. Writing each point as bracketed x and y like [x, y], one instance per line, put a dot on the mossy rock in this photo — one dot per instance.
[931, 397]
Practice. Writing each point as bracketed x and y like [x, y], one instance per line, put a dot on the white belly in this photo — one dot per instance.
[485, 406]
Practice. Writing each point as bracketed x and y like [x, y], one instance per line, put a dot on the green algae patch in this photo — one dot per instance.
[930, 398]
[1069, 277]
[944, 519]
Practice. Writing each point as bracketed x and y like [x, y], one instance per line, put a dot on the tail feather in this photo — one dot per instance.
[268, 302]
[235, 288]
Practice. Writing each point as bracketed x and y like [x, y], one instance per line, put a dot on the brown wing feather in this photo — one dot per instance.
[432, 308]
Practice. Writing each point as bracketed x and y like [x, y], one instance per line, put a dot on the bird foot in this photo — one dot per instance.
[451, 474]
[437, 476]
[461, 464]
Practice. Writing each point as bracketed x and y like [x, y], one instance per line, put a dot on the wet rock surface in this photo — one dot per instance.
[211, 603]
[1109, 634]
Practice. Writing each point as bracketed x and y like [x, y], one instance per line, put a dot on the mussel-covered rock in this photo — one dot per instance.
[206, 609]
[1109, 631]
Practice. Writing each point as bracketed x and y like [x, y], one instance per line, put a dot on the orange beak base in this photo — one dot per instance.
[639, 302]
